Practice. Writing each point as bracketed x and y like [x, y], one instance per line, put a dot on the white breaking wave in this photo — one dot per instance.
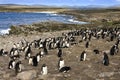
[75, 21]
[5, 31]
[52, 12]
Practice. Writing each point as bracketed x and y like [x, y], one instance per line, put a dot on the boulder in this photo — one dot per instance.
[27, 75]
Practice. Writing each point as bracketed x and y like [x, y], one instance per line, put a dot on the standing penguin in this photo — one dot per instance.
[35, 62]
[61, 63]
[30, 60]
[11, 64]
[1, 52]
[44, 69]
[83, 56]
[105, 59]
[28, 52]
[45, 51]
[18, 67]
[87, 44]
[59, 52]
[38, 56]
[114, 50]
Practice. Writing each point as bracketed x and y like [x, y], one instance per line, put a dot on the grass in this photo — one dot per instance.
[101, 18]
[56, 26]
[29, 9]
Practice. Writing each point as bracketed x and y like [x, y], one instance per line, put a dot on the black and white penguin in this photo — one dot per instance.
[105, 59]
[11, 64]
[59, 52]
[38, 56]
[65, 69]
[28, 52]
[18, 67]
[111, 37]
[61, 63]
[45, 51]
[44, 69]
[12, 51]
[33, 61]
[50, 45]
[14, 46]
[87, 44]
[65, 44]
[83, 56]
[30, 61]
[1, 52]
[114, 50]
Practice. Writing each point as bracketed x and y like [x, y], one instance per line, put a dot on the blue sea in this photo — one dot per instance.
[20, 18]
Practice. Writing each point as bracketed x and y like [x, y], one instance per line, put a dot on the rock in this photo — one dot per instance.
[106, 74]
[27, 75]
[7, 75]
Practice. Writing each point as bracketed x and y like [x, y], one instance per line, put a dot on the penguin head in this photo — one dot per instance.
[44, 65]
[61, 58]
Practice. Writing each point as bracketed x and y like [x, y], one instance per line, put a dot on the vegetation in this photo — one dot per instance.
[29, 9]
[56, 26]
[97, 18]
[42, 27]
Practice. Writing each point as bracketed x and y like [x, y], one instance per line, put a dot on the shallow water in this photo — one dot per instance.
[14, 18]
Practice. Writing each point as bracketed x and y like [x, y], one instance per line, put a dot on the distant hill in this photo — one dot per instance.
[89, 7]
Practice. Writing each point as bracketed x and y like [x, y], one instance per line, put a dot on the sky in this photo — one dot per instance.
[63, 2]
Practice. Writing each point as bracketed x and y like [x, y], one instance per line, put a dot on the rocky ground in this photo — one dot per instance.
[91, 69]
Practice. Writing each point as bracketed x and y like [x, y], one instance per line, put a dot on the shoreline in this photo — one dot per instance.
[71, 20]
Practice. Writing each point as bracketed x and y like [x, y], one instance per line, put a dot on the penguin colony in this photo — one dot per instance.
[23, 50]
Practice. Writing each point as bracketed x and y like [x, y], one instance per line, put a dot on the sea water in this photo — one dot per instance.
[8, 19]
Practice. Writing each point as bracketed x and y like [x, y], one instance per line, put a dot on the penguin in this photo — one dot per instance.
[1, 52]
[59, 52]
[114, 50]
[111, 37]
[12, 51]
[38, 56]
[35, 62]
[16, 52]
[105, 59]
[18, 67]
[30, 60]
[87, 44]
[66, 44]
[41, 44]
[28, 52]
[44, 69]
[65, 69]
[11, 64]
[5, 53]
[45, 51]
[61, 63]
[83, 56]
[14, 46]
